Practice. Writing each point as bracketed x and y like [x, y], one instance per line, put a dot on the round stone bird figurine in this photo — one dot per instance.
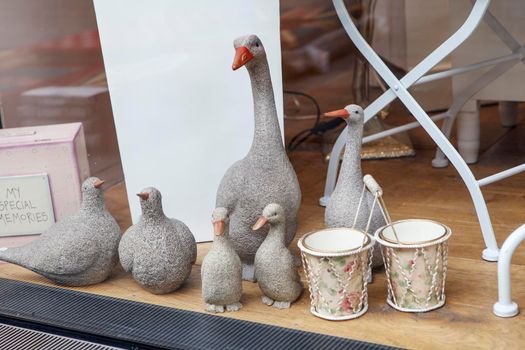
[221, 269]
[265, 175]
[342, 207]
[79, 250]
[274, 266]
[158, 251]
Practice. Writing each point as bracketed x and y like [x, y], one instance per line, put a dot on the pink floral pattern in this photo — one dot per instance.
[339, 283]
[411, 275]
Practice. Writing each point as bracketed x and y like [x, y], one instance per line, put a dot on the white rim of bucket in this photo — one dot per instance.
[309, 250]
[338, 229]
[339, 318]
[430, 308]
[434, 241]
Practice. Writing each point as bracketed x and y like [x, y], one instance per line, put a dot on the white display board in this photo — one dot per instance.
[182, 115]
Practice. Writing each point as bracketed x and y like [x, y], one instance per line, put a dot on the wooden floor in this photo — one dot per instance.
[412, 189]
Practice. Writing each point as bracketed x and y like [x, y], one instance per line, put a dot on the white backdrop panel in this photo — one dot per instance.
[182, 115]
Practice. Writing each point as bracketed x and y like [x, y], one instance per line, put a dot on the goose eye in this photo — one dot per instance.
[257, 44]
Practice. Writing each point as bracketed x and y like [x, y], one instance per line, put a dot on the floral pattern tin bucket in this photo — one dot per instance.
[415, 254]
[337, 267]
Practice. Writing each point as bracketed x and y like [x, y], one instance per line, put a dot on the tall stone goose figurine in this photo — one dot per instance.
[342, 207]
[265, 175]
[79, 250]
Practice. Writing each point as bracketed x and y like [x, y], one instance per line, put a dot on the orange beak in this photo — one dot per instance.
[340, 113]
[242, 56]
[218, 227]
[98, 183]
[260, 223]
[143, 195]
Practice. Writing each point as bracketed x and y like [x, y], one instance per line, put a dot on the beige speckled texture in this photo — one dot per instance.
[342, 207]
[221, 271]
[77, 251]
[265, 175]
[158, 251]
[275, 270]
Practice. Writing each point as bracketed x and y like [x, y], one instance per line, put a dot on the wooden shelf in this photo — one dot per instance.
[412, 189]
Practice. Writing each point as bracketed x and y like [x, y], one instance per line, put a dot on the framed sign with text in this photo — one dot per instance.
[26, 207]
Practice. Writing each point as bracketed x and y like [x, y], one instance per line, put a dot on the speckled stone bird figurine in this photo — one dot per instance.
[77, 251]
[342, 207]
[275, 270]
[221, 269]
[265, 175]
[158, 251]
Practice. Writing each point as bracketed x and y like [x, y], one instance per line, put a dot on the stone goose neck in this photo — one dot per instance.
[222, 240]
[92, 202]
[153, 214]
[351, 168]
[276, 234]
[267, 133]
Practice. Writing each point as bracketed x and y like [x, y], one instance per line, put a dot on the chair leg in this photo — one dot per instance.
[508, 113]
[505, 307]
[440, 161]
[468, 132]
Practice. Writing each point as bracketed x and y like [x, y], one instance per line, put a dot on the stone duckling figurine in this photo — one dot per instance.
[158, 251]
[221, 269]
[266, 166]
[342, 207]
[274, 264]
[80, 250]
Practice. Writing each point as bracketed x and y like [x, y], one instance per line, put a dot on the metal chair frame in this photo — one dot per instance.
[398, 88]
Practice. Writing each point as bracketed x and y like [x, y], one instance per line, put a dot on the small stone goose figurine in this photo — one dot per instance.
[266, 166]
[221, 269]
[77, 251]
[274, 266]
[158, 251]
[342, 207]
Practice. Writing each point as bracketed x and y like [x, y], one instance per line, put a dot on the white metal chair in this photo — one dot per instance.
[398, 88]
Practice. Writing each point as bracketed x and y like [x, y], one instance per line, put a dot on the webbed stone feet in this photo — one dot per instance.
[214, 308]
[282, 304]
[277, 304]
[267, 301]
[234, 307]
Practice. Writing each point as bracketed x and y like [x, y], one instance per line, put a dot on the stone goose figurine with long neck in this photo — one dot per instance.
[78, 250]
[274, 266]
[221, 269]
[158, 251]
[342, 207]
[265, 175]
